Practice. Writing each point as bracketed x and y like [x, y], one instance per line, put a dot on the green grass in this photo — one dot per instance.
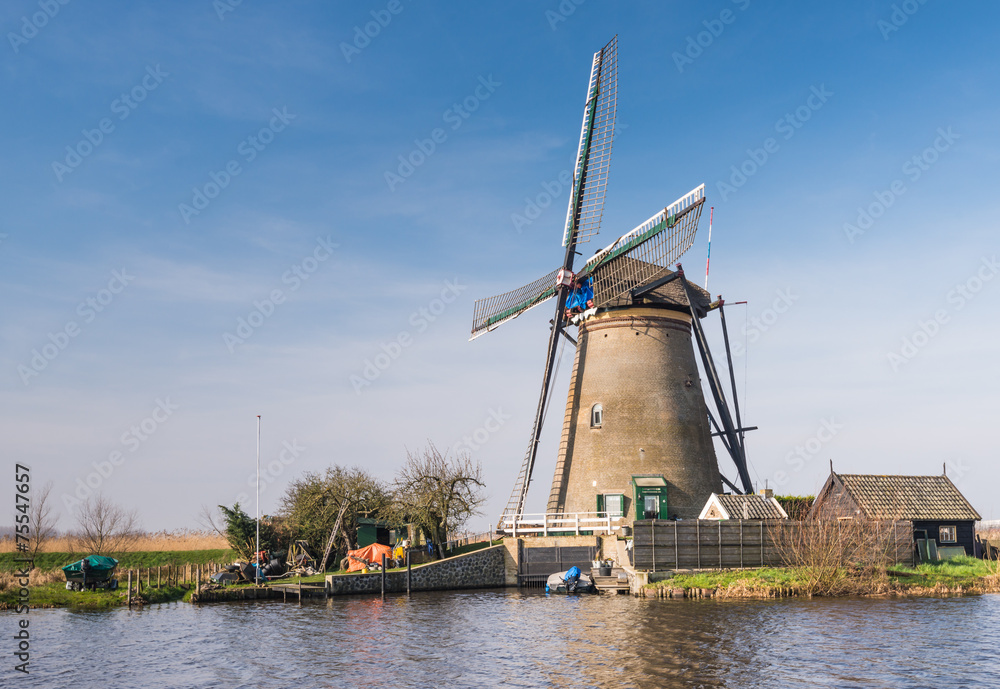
[472, 547]
[55, 595]
[144, 559]
[958, 571]
[965, 572]
[768, 576]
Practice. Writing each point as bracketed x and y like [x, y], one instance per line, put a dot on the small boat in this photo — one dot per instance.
[570, 581]
[100, 573]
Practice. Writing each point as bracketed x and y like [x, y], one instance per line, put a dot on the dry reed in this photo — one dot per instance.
[159, 541]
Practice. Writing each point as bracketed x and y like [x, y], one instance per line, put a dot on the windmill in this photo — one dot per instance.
[632, 273]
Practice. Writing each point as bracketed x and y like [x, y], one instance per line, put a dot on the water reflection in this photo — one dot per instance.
[515, 639]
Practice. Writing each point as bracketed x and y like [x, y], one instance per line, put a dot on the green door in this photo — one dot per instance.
[650, 491]
[650, 503]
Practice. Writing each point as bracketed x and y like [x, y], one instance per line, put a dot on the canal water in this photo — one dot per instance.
[519, 639]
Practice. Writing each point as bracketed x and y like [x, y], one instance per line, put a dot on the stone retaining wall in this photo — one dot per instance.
[479, 569]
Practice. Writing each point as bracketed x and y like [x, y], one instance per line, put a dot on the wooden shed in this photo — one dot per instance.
[937, 509]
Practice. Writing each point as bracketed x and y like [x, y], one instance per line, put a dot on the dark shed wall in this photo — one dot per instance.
[965, 532]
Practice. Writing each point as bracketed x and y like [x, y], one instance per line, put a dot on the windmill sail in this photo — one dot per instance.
[593, 158]
[583, 220]
[491, 312]
[648, 251]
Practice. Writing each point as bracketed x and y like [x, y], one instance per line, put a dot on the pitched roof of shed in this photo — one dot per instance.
[908, 497]
[756, 507]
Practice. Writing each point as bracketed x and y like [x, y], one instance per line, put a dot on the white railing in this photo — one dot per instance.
[561, 523]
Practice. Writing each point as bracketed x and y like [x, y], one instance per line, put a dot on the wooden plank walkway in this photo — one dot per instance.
[611, 584]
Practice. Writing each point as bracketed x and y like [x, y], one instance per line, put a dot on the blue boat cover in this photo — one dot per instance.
[572, 573]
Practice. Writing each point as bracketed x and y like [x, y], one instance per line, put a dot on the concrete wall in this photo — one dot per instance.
[639, 364]
[479, 569]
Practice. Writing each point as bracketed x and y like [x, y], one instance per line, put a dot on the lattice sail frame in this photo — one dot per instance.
[492, 311]
[652, 247]
[595, 147]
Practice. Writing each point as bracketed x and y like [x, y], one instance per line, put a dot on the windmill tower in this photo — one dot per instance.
[636, 438]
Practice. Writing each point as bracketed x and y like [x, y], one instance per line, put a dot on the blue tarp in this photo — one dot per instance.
[579, 297]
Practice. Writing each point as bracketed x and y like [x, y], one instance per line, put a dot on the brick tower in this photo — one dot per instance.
[636, 439]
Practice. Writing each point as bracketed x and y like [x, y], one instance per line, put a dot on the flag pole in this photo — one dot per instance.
[711, 214]
[257, 551]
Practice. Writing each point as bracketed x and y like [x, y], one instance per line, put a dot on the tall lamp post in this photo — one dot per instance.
[256, 576]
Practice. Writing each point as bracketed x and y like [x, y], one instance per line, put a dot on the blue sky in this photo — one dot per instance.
[850, 152]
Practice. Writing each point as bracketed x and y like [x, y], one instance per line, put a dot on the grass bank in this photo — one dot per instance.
[132, 560]
[55, 595]
[958, 575]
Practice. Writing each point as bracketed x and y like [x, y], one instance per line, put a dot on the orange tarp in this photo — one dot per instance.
[372, 553]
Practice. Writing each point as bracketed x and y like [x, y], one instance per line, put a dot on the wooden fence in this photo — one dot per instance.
[730, 544]
[142, 578]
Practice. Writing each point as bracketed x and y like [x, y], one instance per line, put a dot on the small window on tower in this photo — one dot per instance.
[596, 416]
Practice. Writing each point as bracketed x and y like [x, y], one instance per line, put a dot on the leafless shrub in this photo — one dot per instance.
[842, 556]
[105, 527]
[41, 518]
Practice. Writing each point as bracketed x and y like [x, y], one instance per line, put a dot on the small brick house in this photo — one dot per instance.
[936, 508]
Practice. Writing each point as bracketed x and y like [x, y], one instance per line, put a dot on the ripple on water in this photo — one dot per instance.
[520, 639]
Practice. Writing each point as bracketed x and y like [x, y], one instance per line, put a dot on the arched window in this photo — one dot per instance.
[596, 416]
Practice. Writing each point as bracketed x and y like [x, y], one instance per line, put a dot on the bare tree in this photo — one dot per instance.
[41, 518]
[106, 527]
[438, 493]
[212, 520]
